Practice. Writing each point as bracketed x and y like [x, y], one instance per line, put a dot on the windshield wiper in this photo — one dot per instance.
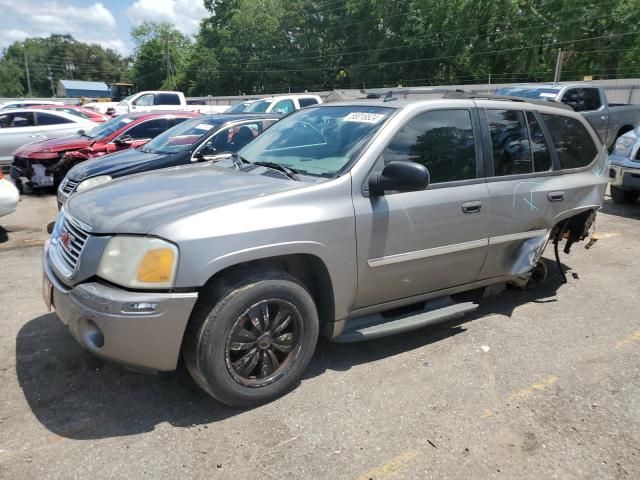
[288, 171]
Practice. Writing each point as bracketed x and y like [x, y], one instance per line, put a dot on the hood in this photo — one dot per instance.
[138, 203]
[115, 164]
[71, 142]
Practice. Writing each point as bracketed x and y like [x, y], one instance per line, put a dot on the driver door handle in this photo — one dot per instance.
[555, 196]
[472, 207]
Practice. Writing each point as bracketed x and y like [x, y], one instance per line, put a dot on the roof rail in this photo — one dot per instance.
[507, 98]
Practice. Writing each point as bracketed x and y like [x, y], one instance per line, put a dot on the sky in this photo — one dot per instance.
[106, 22]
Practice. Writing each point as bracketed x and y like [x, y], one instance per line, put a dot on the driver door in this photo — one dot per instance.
[411, 243]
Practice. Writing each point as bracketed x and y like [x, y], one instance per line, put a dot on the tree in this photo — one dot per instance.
[10, 79]
[161, 53]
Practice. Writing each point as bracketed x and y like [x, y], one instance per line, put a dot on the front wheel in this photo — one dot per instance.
[623, 196]
[254, 344]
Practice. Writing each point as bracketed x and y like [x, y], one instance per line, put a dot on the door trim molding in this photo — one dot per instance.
[426, 253]
[512, 237]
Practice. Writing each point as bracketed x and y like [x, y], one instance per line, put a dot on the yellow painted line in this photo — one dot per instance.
[533, 388]
[392, 467]
[633, 338]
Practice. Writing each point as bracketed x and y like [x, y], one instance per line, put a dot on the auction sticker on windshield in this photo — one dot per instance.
[203, 126]
[364, 117]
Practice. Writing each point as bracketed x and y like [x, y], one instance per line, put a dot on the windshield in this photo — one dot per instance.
[259, 106]
[182, 136]
[107, 128]
[318, 141]
[528, 92]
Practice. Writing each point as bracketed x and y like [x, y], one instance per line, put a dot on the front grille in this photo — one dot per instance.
[71, 240]
[69, 186]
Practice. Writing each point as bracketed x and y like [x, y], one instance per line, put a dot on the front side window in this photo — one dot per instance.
[144, 100]
[50, 119]
[541, 155]
[148, 129]
[573, 143]
[284, 106]
[442, 141]
[510, 142]
[318, 141]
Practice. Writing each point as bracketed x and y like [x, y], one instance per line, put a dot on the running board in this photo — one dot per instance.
[375, 325]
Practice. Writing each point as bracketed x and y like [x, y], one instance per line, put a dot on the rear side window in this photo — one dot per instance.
[573, 143]
[442, 141]
[510, 142]
[541, 155]
[167, 99]
[582, 99]
[305, 102]
[49, 119]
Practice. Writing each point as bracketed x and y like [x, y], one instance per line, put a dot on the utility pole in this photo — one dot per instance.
[26, 67]
[489, 86]
[50, 77]
[558, 73]
[168, 61]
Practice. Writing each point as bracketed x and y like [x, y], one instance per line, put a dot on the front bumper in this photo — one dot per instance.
[97, 317]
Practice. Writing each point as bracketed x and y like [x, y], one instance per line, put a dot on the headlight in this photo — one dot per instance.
[93, 182]
[624, 146]
[139, 262]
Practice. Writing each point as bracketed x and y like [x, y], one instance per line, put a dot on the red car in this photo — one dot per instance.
[45, 163]
[75, 110]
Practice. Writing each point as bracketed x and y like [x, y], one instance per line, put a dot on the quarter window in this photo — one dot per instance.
[510, 142]
[573, 143]
[541, 156]
[442, 141]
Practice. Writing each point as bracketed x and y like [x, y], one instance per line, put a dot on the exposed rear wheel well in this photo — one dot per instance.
[308, 269]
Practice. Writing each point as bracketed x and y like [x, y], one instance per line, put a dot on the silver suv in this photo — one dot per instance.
[335, 215]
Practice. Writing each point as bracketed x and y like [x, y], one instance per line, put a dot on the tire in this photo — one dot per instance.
[623, 196]
[229, 324]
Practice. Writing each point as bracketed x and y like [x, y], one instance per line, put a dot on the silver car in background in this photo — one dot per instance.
[20, 126]
[327, 223]
[624, 168]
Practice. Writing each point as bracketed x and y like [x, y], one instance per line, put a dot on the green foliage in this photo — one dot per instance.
[161, 55]
[54, 58]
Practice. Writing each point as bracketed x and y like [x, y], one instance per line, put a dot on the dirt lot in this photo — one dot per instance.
[536, 384]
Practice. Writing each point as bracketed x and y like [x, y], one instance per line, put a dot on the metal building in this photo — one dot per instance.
[79, 88]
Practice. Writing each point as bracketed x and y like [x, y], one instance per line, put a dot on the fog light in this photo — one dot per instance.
[612, 173]
[141, 307]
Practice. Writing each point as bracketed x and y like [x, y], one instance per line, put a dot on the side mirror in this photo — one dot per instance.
[205, 152]
[399, 176]
[81, 132]
[123, 139]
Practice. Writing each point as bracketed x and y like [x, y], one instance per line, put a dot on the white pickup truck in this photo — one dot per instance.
[151, 100]
[610, 120]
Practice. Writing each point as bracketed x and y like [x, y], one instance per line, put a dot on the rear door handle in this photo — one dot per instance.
[555, 196]
[471, 207]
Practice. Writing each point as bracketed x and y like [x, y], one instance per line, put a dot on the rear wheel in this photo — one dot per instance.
[255, 342]
[623, 196]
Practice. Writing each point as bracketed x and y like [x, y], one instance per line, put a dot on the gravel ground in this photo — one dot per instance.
[536, 384]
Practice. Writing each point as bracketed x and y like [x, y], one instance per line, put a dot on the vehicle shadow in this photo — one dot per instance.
[627, 211]
[4, 234]
[77, 395]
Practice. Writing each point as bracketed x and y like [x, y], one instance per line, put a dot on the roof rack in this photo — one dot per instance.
[507, 98]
